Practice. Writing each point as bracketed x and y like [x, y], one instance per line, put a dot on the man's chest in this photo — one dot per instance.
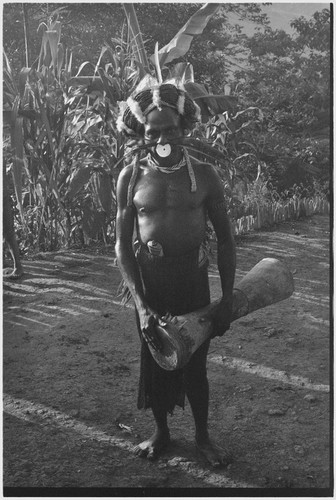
[166, 191]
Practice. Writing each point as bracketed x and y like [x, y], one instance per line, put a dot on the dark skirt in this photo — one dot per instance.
[177, 285]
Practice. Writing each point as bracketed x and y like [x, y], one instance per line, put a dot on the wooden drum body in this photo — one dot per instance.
[268, 282]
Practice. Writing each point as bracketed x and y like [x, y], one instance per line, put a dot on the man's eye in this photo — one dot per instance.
[152, 135]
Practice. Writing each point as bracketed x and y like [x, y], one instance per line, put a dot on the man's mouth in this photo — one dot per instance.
[166, 154]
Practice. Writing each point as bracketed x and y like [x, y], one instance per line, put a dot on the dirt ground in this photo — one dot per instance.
[70, 369]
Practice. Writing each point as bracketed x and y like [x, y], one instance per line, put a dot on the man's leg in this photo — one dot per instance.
[9, 233]
[152, 447]
[197, 390]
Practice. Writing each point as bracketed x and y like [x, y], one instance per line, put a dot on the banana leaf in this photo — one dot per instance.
[210, 104]
[78, 179]
[60, 59]
[52, 37]
[182, 71]
[102, 185]
[92, 222]
[45, 53]
[181, 42]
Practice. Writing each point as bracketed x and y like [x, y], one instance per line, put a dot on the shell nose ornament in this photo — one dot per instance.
[163, 151]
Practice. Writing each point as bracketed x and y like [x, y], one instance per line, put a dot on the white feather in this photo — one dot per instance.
[148, 82]
[198, 112]
[157, 63]
[121, 126]
[177, 82]
[136, 110]
[180, 104]
[156, 97]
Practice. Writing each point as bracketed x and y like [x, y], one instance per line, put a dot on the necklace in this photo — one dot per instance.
[166, 170]
[169, 170]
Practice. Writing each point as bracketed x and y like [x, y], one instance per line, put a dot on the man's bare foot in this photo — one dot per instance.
[16, 274]
[215, 455]
[152, 447]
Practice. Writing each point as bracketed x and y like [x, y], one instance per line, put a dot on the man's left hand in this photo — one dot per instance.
[220, 316]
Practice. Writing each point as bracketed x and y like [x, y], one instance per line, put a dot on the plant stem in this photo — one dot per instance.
[26, 31]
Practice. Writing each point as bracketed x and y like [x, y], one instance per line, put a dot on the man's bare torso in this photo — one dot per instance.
[168, 212]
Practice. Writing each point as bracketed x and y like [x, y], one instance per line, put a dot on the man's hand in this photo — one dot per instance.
[220, 316]
[148, 320]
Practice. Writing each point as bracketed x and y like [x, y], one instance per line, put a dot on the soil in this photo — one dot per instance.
[71, 363]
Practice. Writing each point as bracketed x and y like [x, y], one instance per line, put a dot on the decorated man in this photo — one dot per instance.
[165, 199]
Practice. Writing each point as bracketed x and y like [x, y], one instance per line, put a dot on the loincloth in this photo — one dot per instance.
[177, 285]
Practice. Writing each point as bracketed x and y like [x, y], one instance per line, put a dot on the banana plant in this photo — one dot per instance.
[180, 43]
[140, 66]
[64, 127]
[211, 105]
[156, 64]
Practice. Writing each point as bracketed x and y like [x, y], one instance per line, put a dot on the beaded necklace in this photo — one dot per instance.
[165, 170]
[173, 168]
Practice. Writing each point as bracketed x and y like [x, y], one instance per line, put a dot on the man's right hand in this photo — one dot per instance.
[148, 320]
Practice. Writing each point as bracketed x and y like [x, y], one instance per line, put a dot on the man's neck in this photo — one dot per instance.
[166, 169]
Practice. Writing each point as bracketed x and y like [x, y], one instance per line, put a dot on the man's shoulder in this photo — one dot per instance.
[124, 177]
[204, 170]
[208, 179]
[126, 172]
[201, 165]
[127, 169]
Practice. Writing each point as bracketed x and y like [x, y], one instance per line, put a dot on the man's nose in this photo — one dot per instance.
[163, 139]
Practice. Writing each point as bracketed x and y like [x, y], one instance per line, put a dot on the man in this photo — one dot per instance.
[165, 198]
[9, 232]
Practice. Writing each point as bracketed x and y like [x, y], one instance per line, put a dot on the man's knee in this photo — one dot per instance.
[196, 378]
[195, 372]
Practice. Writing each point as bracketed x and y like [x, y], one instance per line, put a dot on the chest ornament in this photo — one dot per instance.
[173, 168]
[165, 170]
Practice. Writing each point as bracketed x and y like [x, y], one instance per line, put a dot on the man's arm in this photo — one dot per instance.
[126, 260]
[226, 250]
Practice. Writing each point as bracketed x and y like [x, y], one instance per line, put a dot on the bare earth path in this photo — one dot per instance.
[71, 362]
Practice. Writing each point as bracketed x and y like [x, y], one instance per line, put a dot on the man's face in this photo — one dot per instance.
[164, 127]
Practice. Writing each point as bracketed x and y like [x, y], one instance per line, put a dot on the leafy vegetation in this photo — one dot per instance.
[289, 79]
[264, 125]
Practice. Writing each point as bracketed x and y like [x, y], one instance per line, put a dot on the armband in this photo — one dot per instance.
[217, 206]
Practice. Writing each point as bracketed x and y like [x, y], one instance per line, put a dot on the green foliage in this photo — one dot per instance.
[61, 143]
[314, 33]
[180, 43]
[86, 27]
[66, 148]
[288, 78]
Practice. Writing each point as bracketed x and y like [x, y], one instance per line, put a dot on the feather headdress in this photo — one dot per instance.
[152, 94]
